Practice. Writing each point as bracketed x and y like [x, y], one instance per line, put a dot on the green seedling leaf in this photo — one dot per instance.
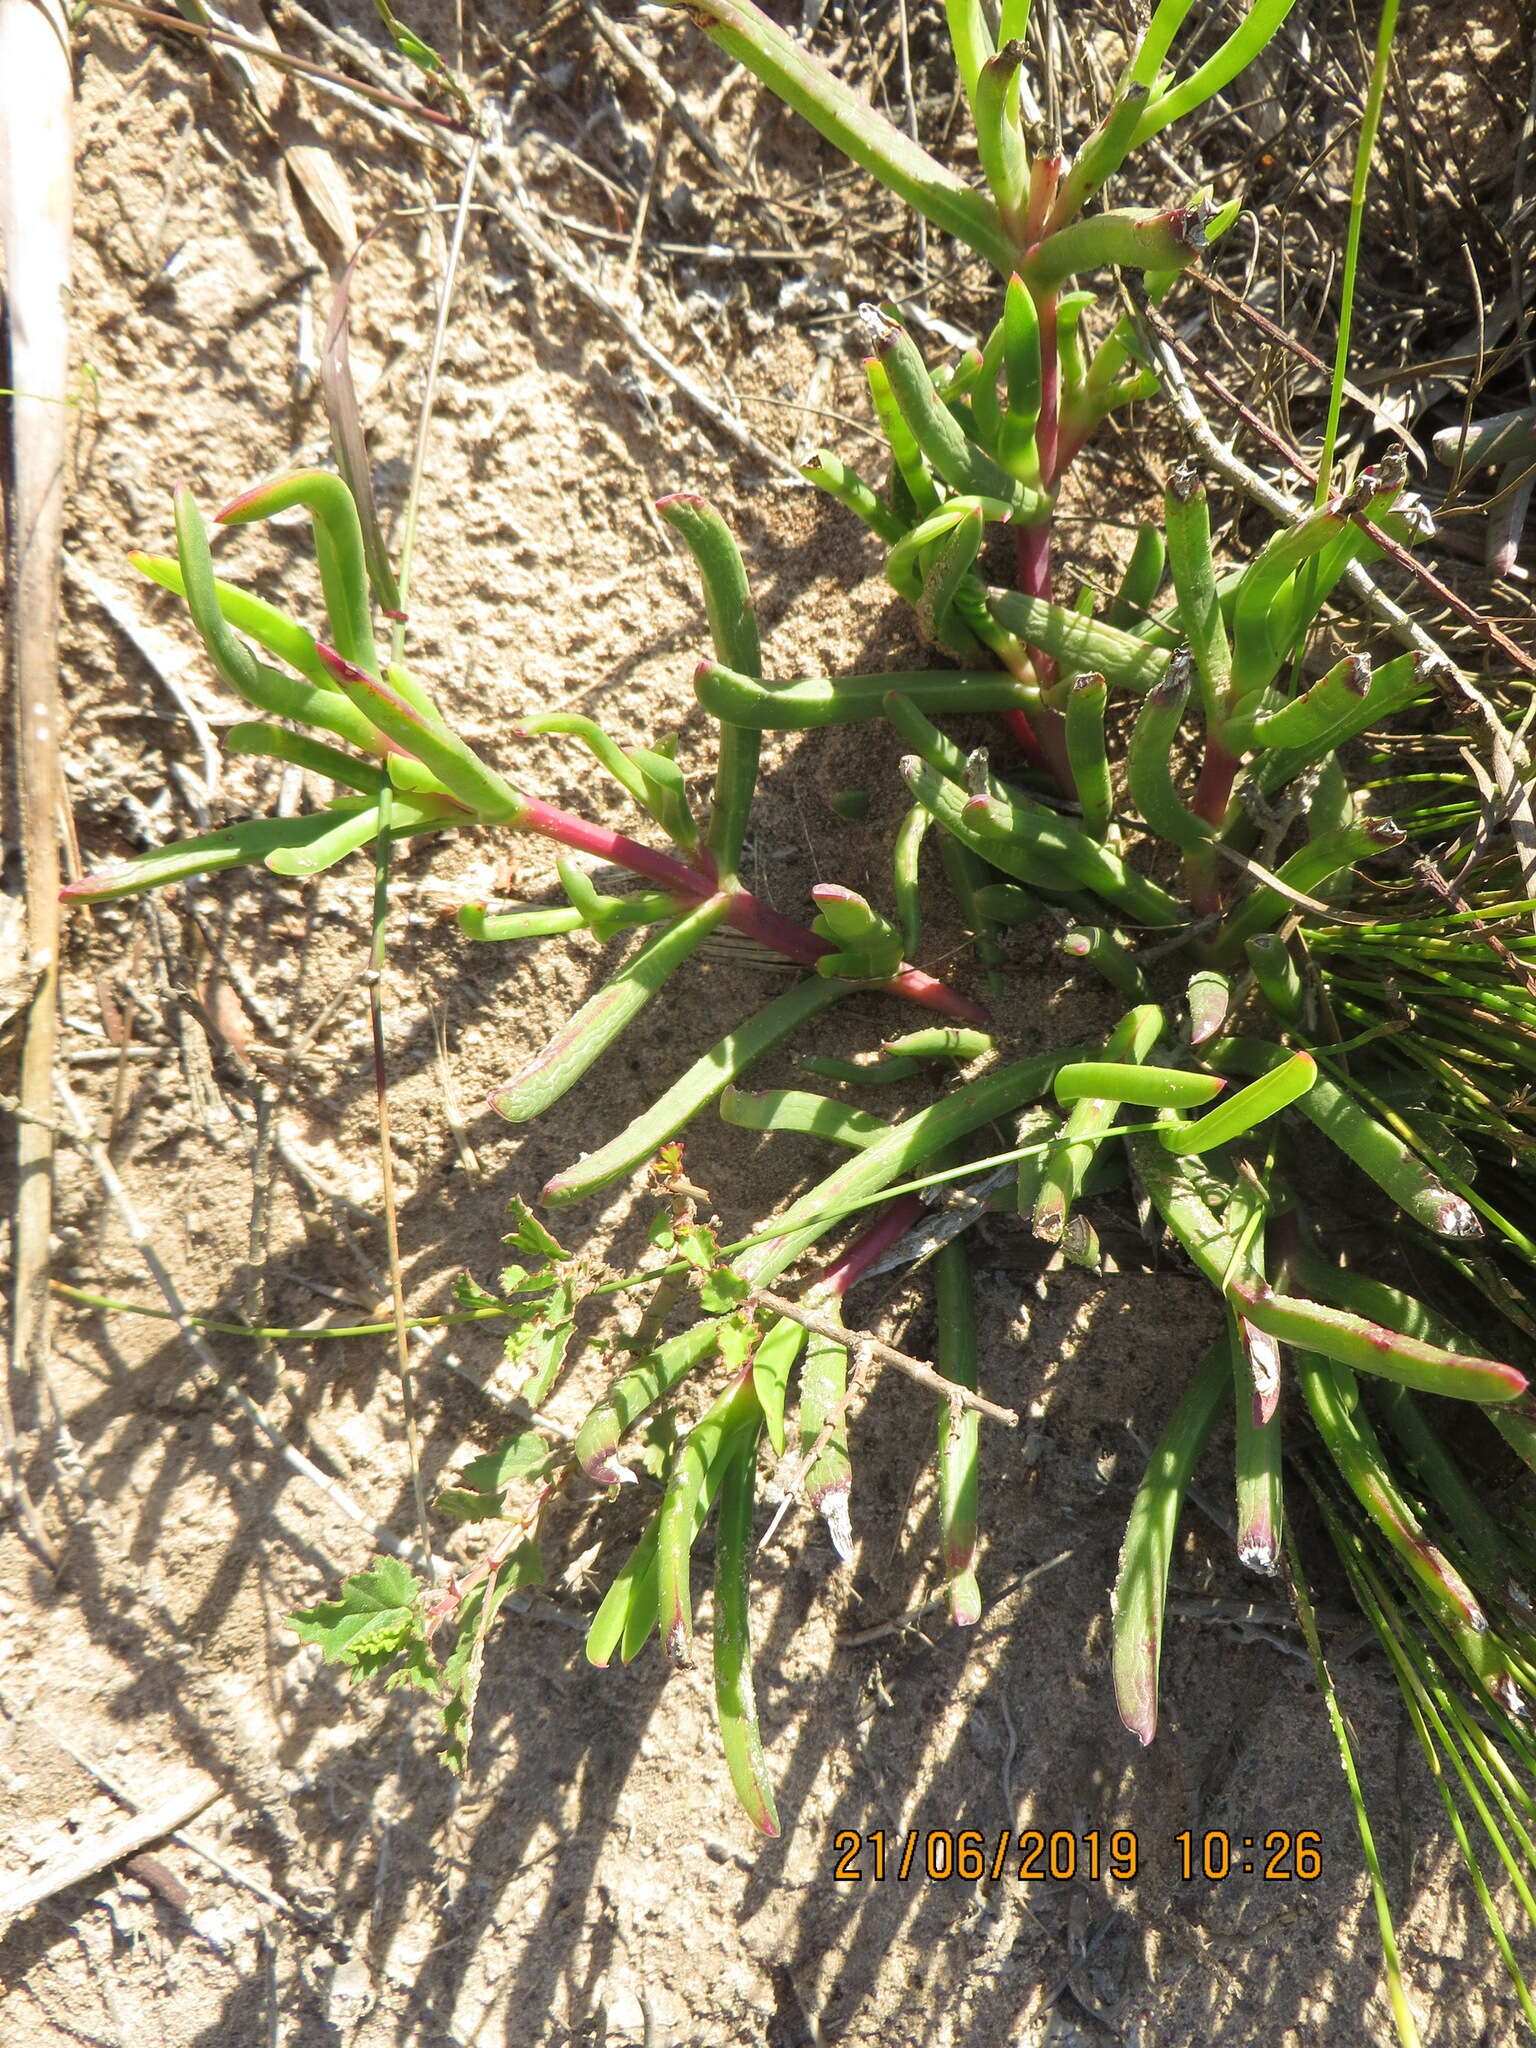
[703, 1081]
[1124, 237]
[878, 1073]
[629, 1605]
[260, 621]
[482, 1489]
[1356, 1450]
[1087, 696]
[1393, 688]
[1168, 102]
[1077, 643]
[581, 892]
[714, 1439]
[1277, 976]
[946, 574]
[286, 845]
[1149, 760]
[633, 1394]
[970, 38]
[822, 1431]
[966, 468]
[1132, 603]
[1187, 516]
[722, 1290]
[909, 562]
[465, 1662]
[529, 1235]
[346, 834]
[1019, 337]
[277, 743]
[1006, 903]
[1000, 134]
[897, 1152]
[1378, 1152]
[733, 629]
[868, 946]
[1038, 847]
[410, 45]
[1328, 707]
[1060, 1176]
[1108, 955]
[1302, 874]
[736, 1337]
[697, 1243]
[1209, 997]
[911, 489]
[906, 881]
[375, 1620]
[537, 1349]
[1103, 152]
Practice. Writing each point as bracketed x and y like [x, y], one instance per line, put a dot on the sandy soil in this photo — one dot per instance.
[591, 1878]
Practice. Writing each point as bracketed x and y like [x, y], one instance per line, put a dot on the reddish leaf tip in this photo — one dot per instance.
[237, 509]
[339, 666]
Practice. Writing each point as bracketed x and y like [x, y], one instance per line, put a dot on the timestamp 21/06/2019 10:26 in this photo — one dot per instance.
[1042, 1856]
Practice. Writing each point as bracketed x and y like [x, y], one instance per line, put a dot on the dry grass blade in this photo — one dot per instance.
[347, 437]
[76, 1128]
[1170, 356]
[36, 211]
[862, 1342]
[138, 1832]
[668, 99]
[299, 65]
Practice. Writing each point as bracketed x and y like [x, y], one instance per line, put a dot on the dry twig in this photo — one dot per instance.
[121, 1842]
[862, 1342]
[36, 209]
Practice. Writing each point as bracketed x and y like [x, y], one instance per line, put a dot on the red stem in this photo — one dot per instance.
[1213, 793]
[1213, 790]
[746, 914]
[1044, 740]
[889, 1228]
